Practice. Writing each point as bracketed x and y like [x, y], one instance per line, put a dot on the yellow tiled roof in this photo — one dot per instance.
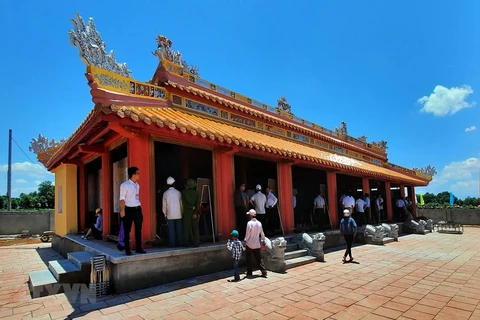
[209, 129]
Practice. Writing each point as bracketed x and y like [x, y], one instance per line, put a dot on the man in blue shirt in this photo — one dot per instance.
[348, 229]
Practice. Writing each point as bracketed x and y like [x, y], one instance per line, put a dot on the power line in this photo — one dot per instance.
[26, 155]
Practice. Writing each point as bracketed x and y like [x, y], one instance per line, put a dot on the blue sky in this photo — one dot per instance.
[366, 63]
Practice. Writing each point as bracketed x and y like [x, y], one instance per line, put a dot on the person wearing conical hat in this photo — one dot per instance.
[191, 209]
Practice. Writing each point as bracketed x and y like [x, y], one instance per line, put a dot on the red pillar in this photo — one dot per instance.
[140, 154]
[366, 185]
[413, 198]
[402, 191]
[82, 196]
[285, 195]
[388, 200]
[224, 188]
[332, 198]
[106, 192]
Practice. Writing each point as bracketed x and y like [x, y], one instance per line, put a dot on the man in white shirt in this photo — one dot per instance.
[271, 211]
[360, 206]
[319, 212]
[172, 208]
[131, 211]
[348, 202]
[252, 243]
[259, 200]
[379, 209]
[368, 210]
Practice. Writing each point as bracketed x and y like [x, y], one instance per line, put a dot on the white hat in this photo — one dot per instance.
[170, 181]
[252, 212]
[258, 187]
[346, 212]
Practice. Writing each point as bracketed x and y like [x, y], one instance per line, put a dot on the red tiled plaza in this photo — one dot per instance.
[433, 276]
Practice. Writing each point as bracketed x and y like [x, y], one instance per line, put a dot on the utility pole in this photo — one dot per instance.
[9, 174]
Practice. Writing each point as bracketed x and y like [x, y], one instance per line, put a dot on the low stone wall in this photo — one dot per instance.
[35, 221]
[461, 216]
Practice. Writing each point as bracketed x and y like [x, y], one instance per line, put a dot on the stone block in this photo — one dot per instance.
[274, 254]
[314, 245]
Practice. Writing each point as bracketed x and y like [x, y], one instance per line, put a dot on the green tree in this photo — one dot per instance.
[46, 194]
[26, 201]
[471, 201]
[3, 203]
[429, 198]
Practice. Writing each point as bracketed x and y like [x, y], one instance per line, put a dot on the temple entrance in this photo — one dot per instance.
[395, 196]
[183, 163]
[93, 170]
[348, 184]
[307, 183]
[377, 189]
[119, 161]
[263, 172]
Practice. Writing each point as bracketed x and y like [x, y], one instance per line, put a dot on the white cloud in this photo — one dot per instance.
[37, 182]
[443, 101]
[472, 128]
[20, 181]
[27, 168]
[460, 177]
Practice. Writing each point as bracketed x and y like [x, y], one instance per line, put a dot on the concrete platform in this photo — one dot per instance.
[42, 282]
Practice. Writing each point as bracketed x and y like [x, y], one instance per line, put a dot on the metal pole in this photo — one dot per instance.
[9, 174]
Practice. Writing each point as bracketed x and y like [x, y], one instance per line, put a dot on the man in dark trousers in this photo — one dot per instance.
[241, 202]
[252, 243]
[130, 210]
[191, 209]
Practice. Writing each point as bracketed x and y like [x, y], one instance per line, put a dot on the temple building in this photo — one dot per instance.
[180, 125]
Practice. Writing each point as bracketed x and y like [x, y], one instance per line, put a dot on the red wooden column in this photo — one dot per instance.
[223, 193]
[285, 194]
[413, 198]
[106, 192]
[388, 200]
[332, 198]
[140, 155]
[82, 197]
[366, 185]
[402, 191]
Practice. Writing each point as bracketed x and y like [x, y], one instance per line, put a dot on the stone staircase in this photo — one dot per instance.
[61, 274]
[295, 256]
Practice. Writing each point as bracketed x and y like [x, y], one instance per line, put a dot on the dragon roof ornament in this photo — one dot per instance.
[164, 52]
[42, 144]
[283, 105]
[92, 49]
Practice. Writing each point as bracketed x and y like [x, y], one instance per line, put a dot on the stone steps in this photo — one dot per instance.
[295, 254]
[74, 270]
[300, 261]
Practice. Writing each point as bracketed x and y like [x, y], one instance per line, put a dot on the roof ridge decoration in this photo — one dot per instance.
[283, 105]
[165, 52]
[92, 49]
[342, 131]
[42, 144]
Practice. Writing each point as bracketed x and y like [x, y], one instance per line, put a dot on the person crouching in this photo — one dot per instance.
[236, 247]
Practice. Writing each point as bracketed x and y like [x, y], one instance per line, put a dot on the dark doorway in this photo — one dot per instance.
[253, 172]
[119, 163]
[377, 188]
[183, 163]
[93, 189]
[345, 184]
[307, 183]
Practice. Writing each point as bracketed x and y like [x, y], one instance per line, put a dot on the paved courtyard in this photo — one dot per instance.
[435, 276]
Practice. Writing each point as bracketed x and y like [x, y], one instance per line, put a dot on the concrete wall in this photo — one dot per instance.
[36, 222]
[465, 216]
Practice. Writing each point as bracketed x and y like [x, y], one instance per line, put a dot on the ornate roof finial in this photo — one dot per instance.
[342, 130]
[164, 52]
[431, 171]
[381, 144]
[283, 104]
[92, 49]
[42, 144]
[363, 138]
